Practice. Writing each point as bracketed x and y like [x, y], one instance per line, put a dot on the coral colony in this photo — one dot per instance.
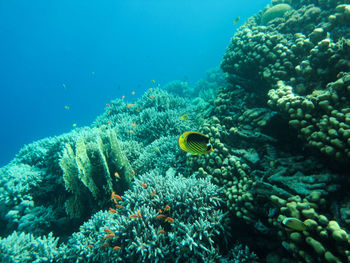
[272, 188]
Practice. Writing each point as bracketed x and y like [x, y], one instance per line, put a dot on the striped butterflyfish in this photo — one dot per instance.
[195, 142]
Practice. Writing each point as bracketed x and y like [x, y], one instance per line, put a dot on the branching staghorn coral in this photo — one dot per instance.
[26, 248]
[161, 219]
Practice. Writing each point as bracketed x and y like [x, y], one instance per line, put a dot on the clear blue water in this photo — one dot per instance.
[100, 50]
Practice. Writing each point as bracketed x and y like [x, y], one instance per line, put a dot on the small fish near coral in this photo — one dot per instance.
[236, 20]
[293, 224]
[184, 117]
[195, 143]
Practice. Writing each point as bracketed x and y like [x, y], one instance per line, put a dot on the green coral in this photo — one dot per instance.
[89, 168]
[274, 12]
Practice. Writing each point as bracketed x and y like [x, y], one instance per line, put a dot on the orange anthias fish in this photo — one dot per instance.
[130, 105]
[133, 93]
[133, 124]
[167, 208]
[109, 236]
[123, 97]
[118, 197]
[134, 216]
[113, 211]
[139, 109]
[153, 193]
[108, 230]
[108, 105]
[131, 131]
[169, 219]
[116, 248]
[161, 231]
[151, 96]
[116, 174]
[160, 216]
[144, 185]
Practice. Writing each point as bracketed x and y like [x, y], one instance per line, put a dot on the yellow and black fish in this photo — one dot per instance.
[195, 142]
[293, 224]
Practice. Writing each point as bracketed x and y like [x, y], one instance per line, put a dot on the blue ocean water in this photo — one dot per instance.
[82, 54]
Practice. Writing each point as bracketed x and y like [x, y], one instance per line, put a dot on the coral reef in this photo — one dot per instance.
[282, 108]
[21, 247]
[163, 218]
[304, 49]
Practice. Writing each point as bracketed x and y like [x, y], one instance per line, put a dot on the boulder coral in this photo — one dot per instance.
[274, 12]
[308, 49]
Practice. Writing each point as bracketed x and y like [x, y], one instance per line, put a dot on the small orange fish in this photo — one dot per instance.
[133, 93]
[139, 109]
[131, 131]
[109, 236]
[90, 246]
[132, 172]
[113, 211]
[130, 105]
[108, 105]
[144, 185]
[108, 230]
[109, 122]
[118, 206]
[133, 124]
[123, 97]
[150, 89]
[138, 213]
[116, 248]
[161, 232]
[153, 193]
[118, 197]
[167, 208]
[169, 219]
[151, 96]
[105, 245]
[160, 216]
[116, 174]
[153, 81]
[160, 211]
[133, 216]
